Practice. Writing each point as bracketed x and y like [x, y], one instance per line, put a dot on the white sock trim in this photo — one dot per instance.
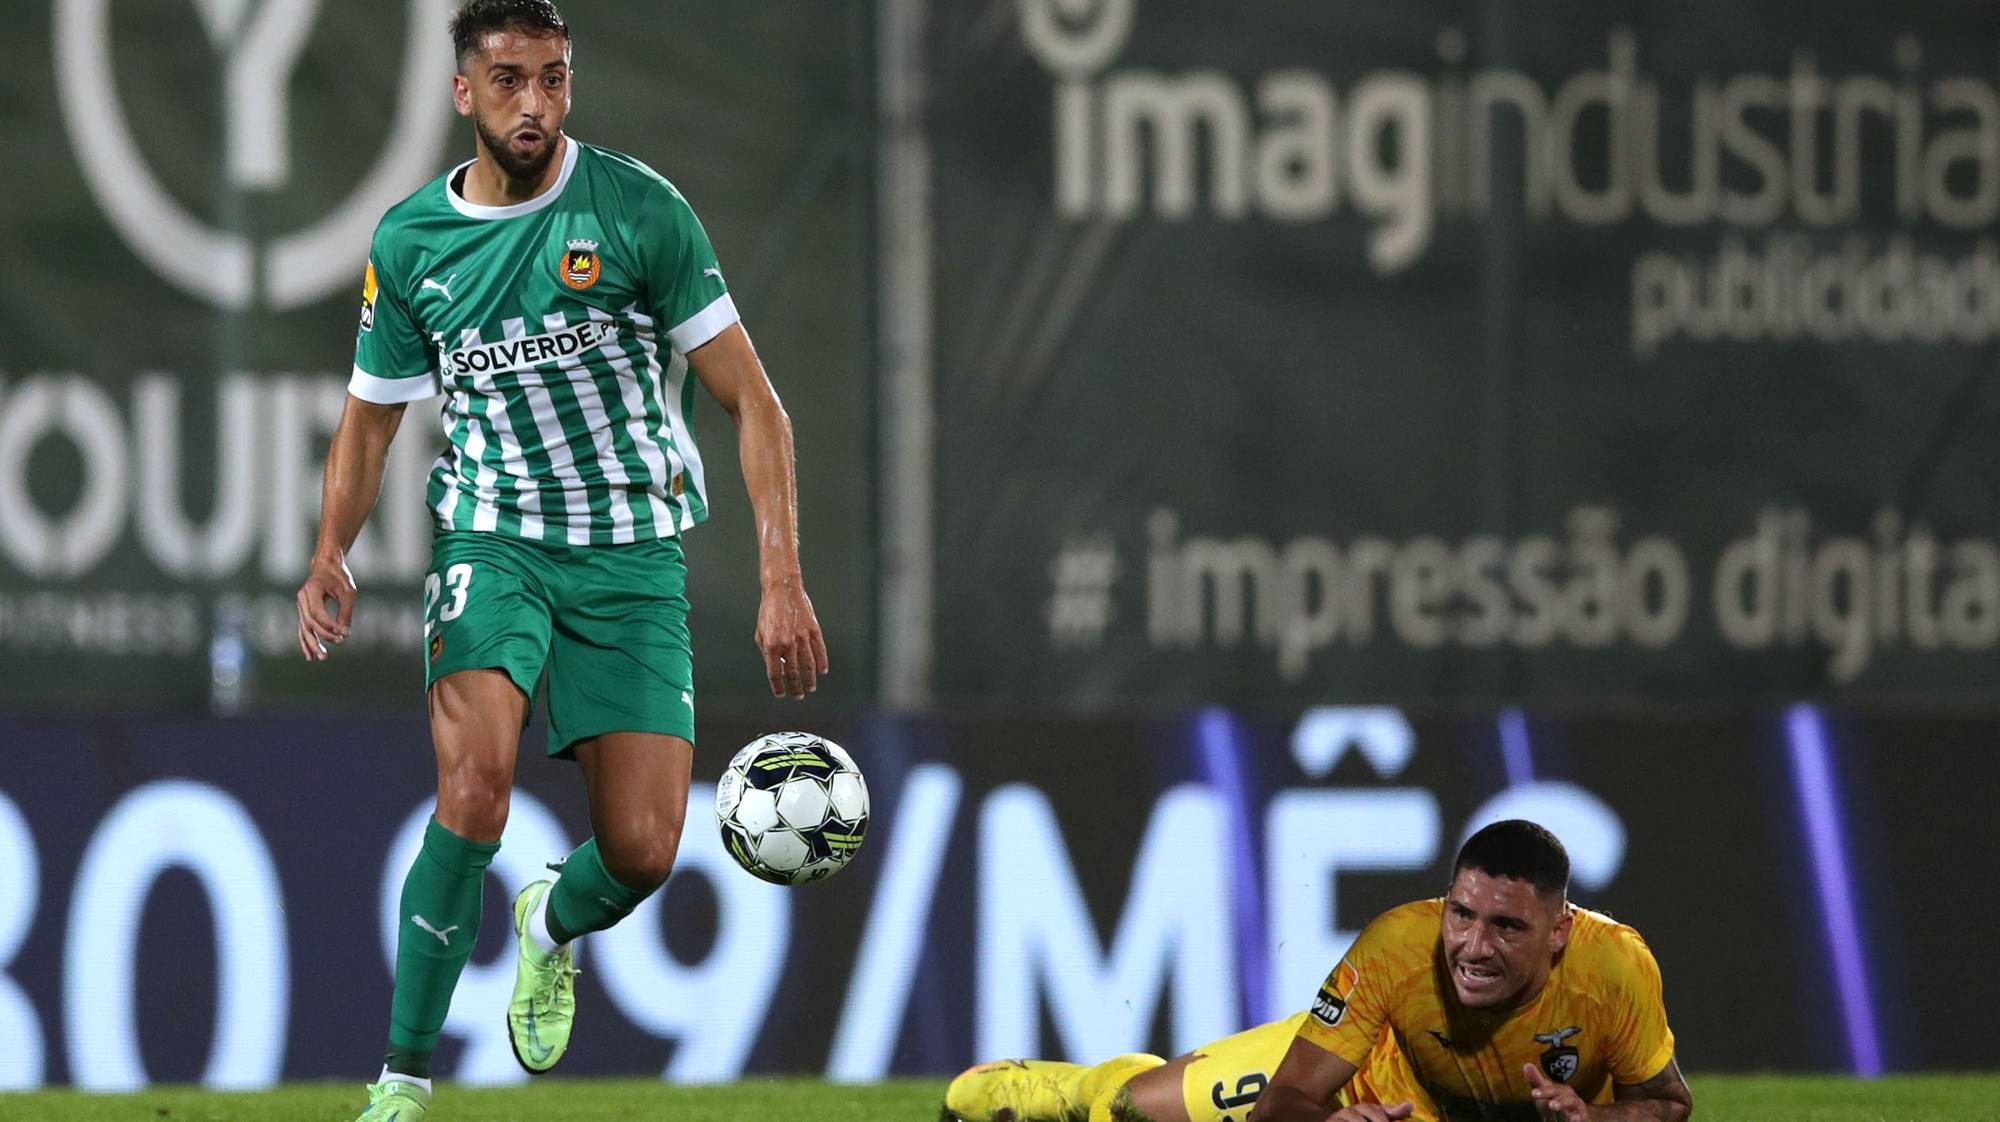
[399, 1077]
[538, 925]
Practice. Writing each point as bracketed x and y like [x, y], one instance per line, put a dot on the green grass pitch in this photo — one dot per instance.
[1926, 1098]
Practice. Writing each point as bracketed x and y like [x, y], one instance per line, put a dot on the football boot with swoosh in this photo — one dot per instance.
[394, 1100]
[544, 1005]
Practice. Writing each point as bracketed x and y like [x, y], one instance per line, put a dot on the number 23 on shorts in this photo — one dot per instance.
[446, 593]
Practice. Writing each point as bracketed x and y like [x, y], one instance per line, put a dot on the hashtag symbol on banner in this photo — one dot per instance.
[1080, 608]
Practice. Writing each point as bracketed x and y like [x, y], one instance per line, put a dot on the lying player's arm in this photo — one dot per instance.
[354, 467]
[787, 629]
[1303, 1087]
[1663, 1098]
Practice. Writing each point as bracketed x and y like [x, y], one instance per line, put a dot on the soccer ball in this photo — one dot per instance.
[793, 808]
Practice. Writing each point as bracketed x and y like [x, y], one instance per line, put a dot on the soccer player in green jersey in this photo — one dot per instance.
[557, 295]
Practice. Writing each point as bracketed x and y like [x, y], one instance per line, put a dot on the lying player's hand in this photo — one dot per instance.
[1556, 1102]
[329, 581]
[788, 634]
[1373, 1112]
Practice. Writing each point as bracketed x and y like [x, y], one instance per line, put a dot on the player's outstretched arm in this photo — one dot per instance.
[354, 467]
[1303, 1087]
[787, 629]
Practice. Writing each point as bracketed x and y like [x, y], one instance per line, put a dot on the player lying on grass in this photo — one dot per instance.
[1499, 1002]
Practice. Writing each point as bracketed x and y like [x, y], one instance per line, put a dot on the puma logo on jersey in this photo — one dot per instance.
[533, 350]
[712, 271]
[441, 287]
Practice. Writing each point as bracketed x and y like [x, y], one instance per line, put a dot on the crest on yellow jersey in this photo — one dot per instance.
[1561, 1060]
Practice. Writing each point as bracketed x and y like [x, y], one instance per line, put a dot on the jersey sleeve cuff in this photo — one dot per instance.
[391, 391]
[704, 325]
[1658, 1061]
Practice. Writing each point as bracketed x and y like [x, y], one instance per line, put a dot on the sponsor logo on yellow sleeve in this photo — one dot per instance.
[1331, 1003]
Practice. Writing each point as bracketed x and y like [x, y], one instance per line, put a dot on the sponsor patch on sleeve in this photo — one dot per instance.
[1327, 1008]
[1331, 1003]
[368, 298]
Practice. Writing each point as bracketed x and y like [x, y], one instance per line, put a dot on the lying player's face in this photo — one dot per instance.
[1501, 937]
[516, 90]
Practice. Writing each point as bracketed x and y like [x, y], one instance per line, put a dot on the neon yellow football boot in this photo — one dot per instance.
[1016, 1091]
[394, 1100]
[1037, 1090]
[544, 1006]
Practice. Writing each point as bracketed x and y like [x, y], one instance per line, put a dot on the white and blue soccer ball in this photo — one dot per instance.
[793, 808]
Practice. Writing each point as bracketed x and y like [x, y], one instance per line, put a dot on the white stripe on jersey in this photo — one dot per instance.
[448, 460]
[485, 481]
[634, 397]
[623, 522]
[486, 515]
[676, 380]
[656, 390]
[555, 444]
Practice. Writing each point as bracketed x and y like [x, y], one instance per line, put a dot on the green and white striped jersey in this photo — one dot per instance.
[558, 331]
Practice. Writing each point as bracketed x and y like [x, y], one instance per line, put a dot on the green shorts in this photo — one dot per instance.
[606, 623]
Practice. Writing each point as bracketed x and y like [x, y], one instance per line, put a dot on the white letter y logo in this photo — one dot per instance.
[261, 53]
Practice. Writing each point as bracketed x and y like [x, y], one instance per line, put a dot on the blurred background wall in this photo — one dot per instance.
[1248, 444]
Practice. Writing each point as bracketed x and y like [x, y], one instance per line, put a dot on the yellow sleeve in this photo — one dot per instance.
[1640, 1041]
[1356, 1000]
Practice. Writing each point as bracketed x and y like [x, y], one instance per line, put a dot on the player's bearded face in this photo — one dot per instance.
[518, 99]
[522, 151]
[1501, 937]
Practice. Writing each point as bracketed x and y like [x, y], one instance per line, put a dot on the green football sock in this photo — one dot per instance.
[438, 921]
[587, 898]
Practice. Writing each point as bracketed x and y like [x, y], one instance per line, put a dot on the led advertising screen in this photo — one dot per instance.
[216, 901]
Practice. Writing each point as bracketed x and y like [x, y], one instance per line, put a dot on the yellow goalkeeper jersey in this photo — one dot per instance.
[1389, 1009]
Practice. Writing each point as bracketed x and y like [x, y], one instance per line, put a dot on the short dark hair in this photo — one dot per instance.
[477, 18]
[1518, 850]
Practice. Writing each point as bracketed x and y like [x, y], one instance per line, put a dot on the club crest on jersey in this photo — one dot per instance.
[1560, 1061]
[580, 264]
[368, 299]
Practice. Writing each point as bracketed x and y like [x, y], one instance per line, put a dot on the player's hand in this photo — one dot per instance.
[1555, 1102]
[1373, 1112]
[328, 583]
[788, 634]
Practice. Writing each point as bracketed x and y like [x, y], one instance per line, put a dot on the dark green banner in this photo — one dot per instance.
[1585, 353]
